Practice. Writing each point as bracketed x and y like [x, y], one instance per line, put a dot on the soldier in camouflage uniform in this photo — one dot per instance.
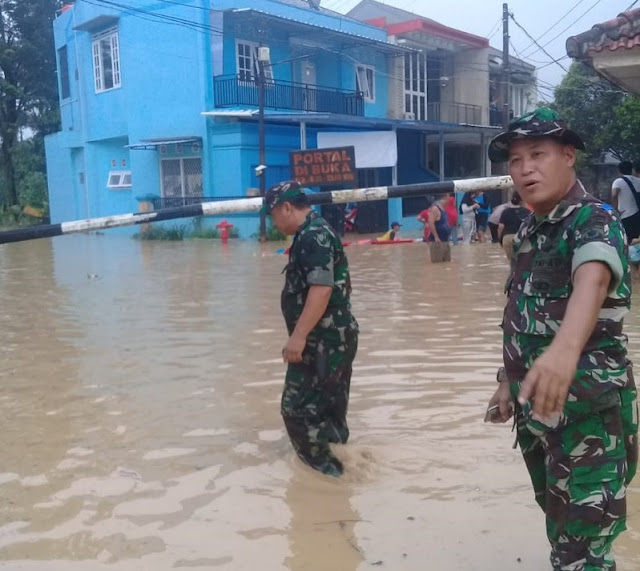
[566, 371]
[323, 334]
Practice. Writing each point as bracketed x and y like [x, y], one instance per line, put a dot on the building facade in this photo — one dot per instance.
[160, 102]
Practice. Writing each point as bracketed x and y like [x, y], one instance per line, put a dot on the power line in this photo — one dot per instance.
[537, 44]
[156, 17]
[494, 29]
[540, 81]
[338, 4]
[569, 26]
[552, 62]
[201, 27]
[558, 22]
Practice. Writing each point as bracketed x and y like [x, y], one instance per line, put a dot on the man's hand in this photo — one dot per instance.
[548, 381]
[502, 398]
[292, 352]
[314, 308]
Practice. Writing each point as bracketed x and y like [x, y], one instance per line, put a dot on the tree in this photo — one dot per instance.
[591, 106]
[28, 85]
[627, 129]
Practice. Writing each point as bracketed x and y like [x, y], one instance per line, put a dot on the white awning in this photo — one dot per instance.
[153, 144]
[374, 149]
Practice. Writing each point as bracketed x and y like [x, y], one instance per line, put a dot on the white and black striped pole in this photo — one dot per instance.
[247, 205]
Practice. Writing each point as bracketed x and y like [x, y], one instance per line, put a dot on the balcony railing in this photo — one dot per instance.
[454, 113]
[234, 90]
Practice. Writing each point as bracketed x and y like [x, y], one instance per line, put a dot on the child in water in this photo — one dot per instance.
[390, 236]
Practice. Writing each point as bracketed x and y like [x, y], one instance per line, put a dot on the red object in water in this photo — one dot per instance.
[65, 8]
[224, 228]
[390, 242]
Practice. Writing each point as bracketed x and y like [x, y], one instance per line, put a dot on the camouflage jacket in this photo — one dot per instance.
[317, 258]
[546, 253]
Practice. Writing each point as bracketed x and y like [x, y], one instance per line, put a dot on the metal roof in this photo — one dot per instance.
[153, 144]
[334, 120]
[383, 45]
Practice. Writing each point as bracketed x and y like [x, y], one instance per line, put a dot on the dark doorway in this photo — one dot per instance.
[373, 216]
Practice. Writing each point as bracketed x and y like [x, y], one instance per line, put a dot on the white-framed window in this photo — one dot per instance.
[415, 86]
[119, 180]
[247, 66]
[181, 178]
[106, 60]
[366, 82]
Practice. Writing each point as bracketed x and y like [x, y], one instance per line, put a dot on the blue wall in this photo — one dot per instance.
[60, 176]
[161, 65]
[166, 75]
[104, 157]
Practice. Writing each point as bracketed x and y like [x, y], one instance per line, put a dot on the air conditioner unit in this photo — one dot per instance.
[410, 116]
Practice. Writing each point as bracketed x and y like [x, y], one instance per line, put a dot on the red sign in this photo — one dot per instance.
[324, 167]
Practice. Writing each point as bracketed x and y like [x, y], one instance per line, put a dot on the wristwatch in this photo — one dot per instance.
[501, 376]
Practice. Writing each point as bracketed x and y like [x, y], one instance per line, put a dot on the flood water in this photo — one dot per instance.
[140, 426]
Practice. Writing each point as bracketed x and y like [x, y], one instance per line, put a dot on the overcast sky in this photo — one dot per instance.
[482, 17]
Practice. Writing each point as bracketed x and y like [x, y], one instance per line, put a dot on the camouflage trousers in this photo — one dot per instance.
[315, 401]
[580, 468]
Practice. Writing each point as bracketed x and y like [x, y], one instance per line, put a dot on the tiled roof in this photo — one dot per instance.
[620, 33]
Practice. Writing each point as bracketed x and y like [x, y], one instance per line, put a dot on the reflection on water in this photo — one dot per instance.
[140, 427]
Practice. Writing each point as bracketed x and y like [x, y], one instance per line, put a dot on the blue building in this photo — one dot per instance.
[160, 98]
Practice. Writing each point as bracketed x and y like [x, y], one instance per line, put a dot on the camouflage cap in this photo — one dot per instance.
[543, 122]
[280, 193]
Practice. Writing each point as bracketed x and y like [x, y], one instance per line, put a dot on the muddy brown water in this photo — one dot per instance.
[140, 427]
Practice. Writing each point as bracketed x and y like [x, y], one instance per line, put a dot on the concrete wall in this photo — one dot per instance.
[396, 104]
[471, 85]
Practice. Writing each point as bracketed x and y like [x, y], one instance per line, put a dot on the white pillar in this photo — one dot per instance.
[303, 135]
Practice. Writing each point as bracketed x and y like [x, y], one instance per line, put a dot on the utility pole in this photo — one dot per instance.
[506, 75]
[263, 57]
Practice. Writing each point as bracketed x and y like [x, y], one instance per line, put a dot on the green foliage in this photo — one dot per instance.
[273, 234]
[28, 89]
[30, 174]
[600, 112]
[205, 234]
[628, 129]
[209, 233]
[12, 217]
[180, 232]
[176, 232]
